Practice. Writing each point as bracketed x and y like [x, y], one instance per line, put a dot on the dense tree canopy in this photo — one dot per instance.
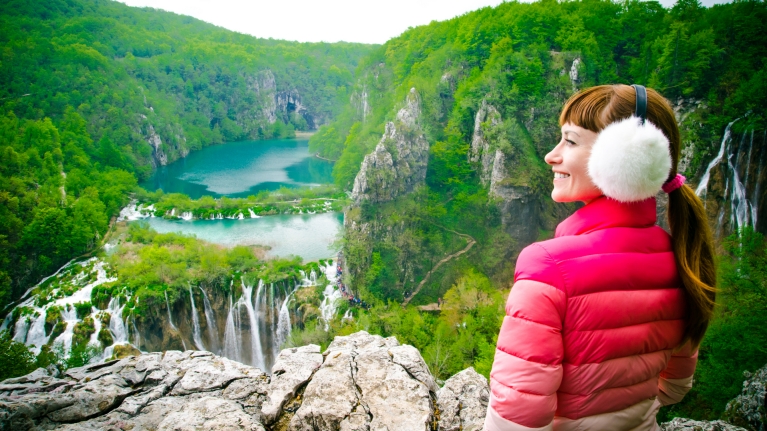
[94, 94]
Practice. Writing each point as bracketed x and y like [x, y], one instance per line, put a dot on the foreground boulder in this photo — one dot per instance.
[361, 382]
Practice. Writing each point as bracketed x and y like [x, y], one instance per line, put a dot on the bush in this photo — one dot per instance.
[15, 358]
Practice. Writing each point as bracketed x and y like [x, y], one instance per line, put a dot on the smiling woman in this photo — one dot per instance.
[569, 161]
[591, 338]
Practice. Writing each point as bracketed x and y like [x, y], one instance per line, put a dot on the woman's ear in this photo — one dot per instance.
[630, 161]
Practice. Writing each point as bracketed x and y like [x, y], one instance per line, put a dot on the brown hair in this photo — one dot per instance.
[596, 107]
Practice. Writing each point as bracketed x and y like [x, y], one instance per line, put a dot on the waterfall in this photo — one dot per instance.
[231, 344]
[283, 325]
[136, 334]
[70, 317]
[210, 318]
[739, 205]
[703, 186]
[257, 356]
[195, 323]
[116, 326]
[167, 305]
[96, 325]
[252, 214]
[331, 297]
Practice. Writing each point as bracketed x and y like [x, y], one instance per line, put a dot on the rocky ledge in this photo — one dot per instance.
[361, 382]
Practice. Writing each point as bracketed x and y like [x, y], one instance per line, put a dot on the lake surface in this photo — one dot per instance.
[241, 169]
[309, 236]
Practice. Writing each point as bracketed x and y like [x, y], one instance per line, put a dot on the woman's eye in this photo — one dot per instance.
[569, 142]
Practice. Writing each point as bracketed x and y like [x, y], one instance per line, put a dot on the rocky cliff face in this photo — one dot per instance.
[361, 381]
[398, 163]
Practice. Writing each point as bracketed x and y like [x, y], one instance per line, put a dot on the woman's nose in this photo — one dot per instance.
[553, 157]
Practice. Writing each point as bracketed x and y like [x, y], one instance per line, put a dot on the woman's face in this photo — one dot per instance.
[569, 161]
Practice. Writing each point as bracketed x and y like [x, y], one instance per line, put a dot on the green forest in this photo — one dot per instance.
[95, 95]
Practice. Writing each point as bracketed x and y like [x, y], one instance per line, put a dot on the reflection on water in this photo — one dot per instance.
[308, 236]
[240, 169]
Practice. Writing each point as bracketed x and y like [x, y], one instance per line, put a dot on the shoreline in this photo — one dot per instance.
[305, 134]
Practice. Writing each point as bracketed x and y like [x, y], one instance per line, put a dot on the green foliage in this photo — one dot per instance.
[282, 201]
[736, 339]
[86, 85]
[462, 335]
[15, 358]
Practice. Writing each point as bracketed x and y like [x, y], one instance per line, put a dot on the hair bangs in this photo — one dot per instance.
[584, 109]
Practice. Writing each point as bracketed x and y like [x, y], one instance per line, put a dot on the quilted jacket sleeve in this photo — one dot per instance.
[676, 380]
[527, 369]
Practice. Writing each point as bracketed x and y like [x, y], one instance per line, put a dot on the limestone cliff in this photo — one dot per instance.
[398, 163]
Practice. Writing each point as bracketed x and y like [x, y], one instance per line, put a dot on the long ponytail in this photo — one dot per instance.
[596, 107]
[694, 252]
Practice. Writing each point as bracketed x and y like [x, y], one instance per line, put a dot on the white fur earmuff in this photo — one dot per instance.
[630, 161]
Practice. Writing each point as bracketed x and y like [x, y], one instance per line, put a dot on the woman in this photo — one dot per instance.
[603, 322]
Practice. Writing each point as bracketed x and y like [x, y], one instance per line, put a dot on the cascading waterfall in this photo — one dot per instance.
[703, 185]
[210, 319]
[195, 323]
[70, 317]
[257, 356]
[136, 334]
[258, 323]
[738, 178]
[330, 299]
[96, 325]
[116, 326]
[170, 318]
[283, 325]
[231, 343]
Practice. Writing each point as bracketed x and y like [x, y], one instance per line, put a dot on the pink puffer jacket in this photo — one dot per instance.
[592, 329]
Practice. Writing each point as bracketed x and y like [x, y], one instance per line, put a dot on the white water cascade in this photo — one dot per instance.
[116, 326]
[69, 314]
[210, 320]
[738, 154]
[703, 185]
[170, 318]
[331, 297]
[195, 323]
[231, 343]
[257, 356]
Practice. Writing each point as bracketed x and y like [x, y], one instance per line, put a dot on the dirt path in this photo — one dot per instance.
[471, 243]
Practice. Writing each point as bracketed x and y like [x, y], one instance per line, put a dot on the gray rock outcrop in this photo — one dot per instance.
[398, 163]
[749, 409]
[681, 424]
[462, 402]
[480, 152]
[368, 382]
[361, 381]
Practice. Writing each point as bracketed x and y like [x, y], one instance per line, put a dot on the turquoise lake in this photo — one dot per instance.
[240, 169]
[309, 236]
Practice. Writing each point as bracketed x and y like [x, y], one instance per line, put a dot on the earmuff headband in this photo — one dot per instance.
[630, 159]
[641, 104]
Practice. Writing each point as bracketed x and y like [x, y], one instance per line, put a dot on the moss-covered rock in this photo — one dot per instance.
[105, 337]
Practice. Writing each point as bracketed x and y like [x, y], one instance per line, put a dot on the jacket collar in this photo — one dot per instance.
[603, 213]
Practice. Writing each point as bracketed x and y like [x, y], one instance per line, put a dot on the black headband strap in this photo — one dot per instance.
[641, 105]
